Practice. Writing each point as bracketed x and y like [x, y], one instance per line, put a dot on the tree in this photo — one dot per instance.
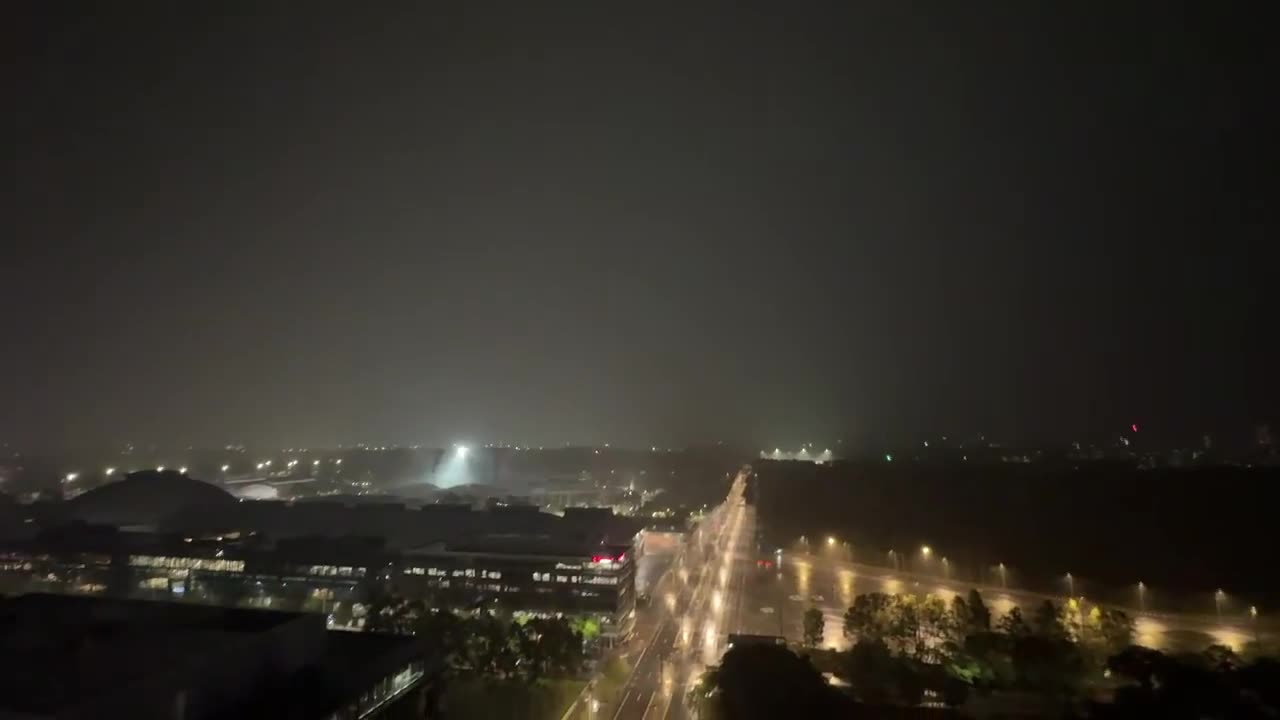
[1139, 665]
[769, 681]
[868, 617]
[488, 646]
[812, 627]
[445, 632]
[393, 614]
[1048, 621]
[1220, 658]
[547, 647]
[978, 619]
[1110, 630]
[869, 667]
[588, 627]
[1013, 624]
[935, 627]
[703, 696]
[903, 625]
[1050, 666]
[908, 683]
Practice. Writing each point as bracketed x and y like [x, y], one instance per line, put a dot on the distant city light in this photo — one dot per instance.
[888, 457]
[925, 550]
[183, 469]
[109, 471]
[226, 468]
[159, 468]
[71, 477]
[463, 450]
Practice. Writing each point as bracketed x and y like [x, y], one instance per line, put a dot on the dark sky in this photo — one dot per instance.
[552, 222]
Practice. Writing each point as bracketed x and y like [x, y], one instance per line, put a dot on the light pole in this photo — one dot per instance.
[1253, 618]
[1218, 597]
[1142, 597]
[1004, 580]
[1071, 585]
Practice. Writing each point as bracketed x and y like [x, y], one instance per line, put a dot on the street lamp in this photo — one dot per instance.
[71, 477]
[109, 471]
[1142, 597]
[1253, 617]
[1218, 597]
[1004, 580]
[226, 468]
[1071, 585]
[831, 540]
[925, 550]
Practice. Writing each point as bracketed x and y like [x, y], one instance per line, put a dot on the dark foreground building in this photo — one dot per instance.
[80, 657]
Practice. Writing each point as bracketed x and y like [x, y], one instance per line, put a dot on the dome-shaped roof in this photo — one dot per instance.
[143, 498]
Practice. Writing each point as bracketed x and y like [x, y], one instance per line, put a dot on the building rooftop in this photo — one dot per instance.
[72, 657]
[402, 527]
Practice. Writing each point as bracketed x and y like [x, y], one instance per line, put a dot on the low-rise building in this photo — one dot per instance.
[317, 555]
[76, 658]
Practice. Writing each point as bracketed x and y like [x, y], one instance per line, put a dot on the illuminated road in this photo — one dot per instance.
[816, 580]
[683, 629]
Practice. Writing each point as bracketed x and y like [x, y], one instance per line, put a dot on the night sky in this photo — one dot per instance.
[553, 222]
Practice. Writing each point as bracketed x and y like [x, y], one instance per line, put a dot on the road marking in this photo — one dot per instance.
[645, 714]
[631, 678]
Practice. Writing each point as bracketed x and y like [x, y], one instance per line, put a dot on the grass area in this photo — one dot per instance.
[483, 699]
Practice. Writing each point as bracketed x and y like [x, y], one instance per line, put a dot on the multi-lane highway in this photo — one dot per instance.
[778, 598]
[684, 628]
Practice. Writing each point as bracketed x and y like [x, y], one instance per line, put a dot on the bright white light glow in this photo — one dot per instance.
[183, 469]
[109, 471]
[463, 450]
[226, 468]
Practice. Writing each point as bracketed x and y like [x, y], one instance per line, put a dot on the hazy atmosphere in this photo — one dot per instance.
[578, 223]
